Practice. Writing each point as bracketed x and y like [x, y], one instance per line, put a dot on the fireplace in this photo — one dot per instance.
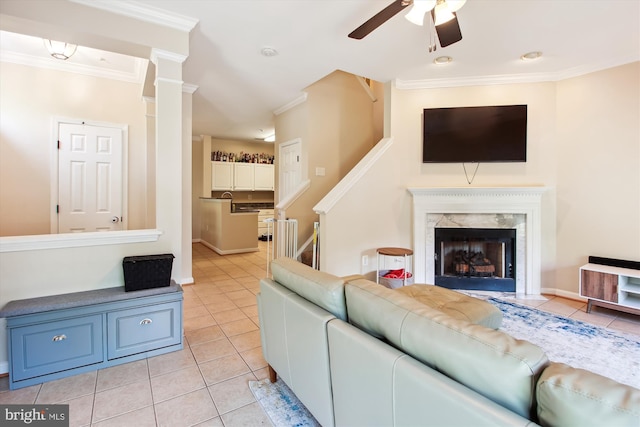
[516, 208]
[475, 258]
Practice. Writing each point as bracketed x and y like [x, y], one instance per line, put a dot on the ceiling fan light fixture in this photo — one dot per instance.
[455, 5]
[270, 138]
[60, 50]
[442, 13]
[418, 11]
[441, 60]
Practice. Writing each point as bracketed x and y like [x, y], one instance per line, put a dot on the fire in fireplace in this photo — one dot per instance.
[475, 258]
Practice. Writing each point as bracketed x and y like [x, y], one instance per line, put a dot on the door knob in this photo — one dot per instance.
[115, 219]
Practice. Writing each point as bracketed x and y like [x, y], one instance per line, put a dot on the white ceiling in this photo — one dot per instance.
[239, 89]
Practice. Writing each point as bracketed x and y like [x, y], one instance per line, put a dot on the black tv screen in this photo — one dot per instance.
[475, 134]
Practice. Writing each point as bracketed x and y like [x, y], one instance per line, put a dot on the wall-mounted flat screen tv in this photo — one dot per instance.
[475, 134]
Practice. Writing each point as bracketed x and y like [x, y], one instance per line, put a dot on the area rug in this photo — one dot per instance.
[609, 353]
[281, 405]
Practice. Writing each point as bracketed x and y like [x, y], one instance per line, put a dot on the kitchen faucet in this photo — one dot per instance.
[225, 193]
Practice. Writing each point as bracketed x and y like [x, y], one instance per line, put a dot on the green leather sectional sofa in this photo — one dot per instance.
[358, 354]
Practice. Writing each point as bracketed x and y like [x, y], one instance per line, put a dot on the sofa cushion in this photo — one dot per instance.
[322, 289]
[490, 362]
[570, 396]
[455, 304]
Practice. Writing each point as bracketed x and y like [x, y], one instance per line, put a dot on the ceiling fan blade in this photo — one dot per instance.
[449, 32]
[379, 18]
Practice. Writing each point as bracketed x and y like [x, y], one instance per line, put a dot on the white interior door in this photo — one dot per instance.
[89, 178]
[289, 167]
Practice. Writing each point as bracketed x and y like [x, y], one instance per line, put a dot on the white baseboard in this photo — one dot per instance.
[4, 367]
[564, 294]
[187, 281]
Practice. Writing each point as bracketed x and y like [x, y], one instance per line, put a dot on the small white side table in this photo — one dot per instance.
[394, 252]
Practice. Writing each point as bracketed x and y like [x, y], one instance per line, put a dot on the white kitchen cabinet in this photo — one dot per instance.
[229, 176]
[222, 176]
[243, 176]
[264, 177]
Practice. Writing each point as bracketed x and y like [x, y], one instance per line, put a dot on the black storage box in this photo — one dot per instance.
[147, 271]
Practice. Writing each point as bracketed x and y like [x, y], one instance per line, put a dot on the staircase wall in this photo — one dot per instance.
[338, 124]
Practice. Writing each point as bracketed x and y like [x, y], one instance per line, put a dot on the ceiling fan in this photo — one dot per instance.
[441, 15]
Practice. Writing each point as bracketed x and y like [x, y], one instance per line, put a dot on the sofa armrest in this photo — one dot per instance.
[294, 340]
[572, 396]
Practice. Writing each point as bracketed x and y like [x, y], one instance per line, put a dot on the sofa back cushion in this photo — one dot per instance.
[574, 397]
[322, 289]
[490, 362]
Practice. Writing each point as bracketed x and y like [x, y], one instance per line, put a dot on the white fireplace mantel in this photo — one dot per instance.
[478, 200]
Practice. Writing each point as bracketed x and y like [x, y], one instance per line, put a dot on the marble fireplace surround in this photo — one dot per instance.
[480, 207]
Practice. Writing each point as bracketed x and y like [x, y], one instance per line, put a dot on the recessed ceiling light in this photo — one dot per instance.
[268, 51]
[442, 60]
[529, 56]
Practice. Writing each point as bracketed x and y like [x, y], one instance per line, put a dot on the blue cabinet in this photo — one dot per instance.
[62, 335]
[56, 346]
[137, 330]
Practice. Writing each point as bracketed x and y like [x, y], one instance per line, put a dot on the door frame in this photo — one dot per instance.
[54, 191]
[281, 147]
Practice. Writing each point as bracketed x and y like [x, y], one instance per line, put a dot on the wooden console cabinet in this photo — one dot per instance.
[62, 335]
[612, 287]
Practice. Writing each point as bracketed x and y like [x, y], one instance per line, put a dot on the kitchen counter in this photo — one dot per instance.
[228, 232]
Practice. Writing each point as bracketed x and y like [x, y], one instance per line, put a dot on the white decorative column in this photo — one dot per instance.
[498, 201]
[187, 183]
[169, 153]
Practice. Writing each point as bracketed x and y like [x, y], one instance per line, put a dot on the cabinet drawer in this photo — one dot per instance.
[598, 285]
[143, 329]
[55, 346]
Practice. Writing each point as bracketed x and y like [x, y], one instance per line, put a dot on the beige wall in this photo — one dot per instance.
[336, 126]
[40, 271]
[29, 100]
[583, 144]
[598, 170]
[197, 173]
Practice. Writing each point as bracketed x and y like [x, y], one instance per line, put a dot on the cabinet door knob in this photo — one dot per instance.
[146, 321]
[59, 338]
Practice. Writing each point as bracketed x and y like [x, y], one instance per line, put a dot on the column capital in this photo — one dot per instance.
[157, 54]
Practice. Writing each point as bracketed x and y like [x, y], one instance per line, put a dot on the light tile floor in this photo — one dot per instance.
[205, 384]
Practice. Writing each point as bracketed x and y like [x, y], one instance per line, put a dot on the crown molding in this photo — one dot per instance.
[143, 12]
[136, 75]
[299, 100]
[599, 66]
[406, 84]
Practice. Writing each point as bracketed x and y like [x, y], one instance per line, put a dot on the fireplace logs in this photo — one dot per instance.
[473, 263]
[475, 258]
